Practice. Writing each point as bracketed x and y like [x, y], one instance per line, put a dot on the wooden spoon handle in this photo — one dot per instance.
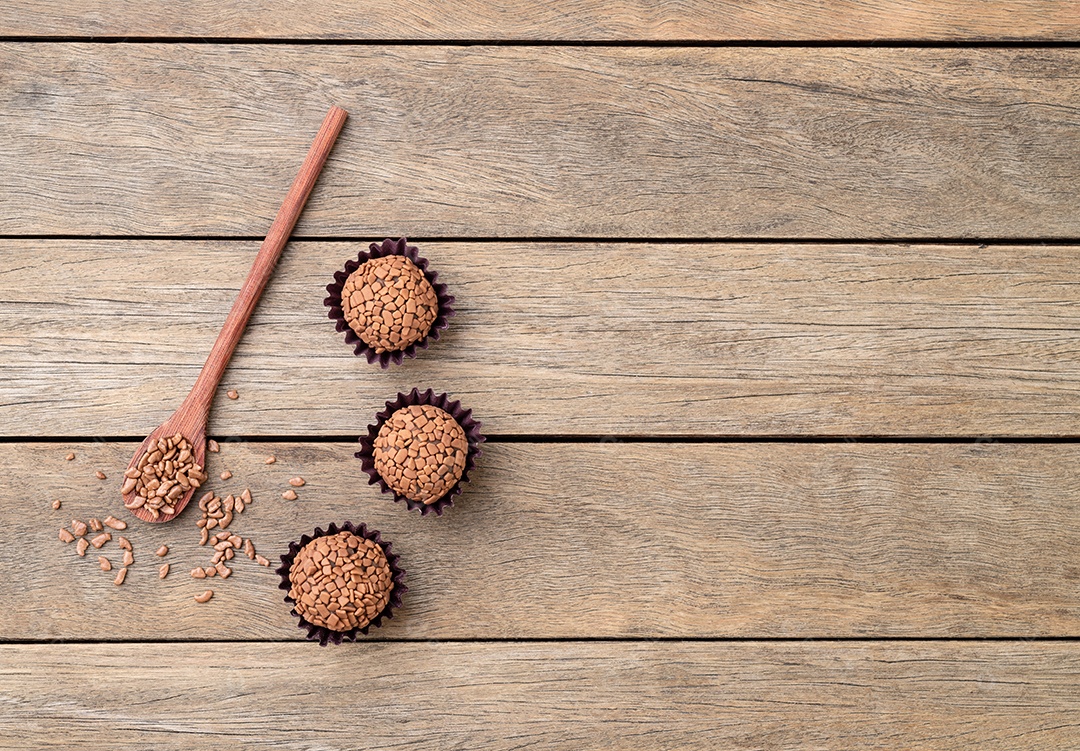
[202, 393]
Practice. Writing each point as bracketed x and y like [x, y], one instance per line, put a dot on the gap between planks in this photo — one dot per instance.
[571, 21]
[1033, 44]
[596, 240]
[375, 638]
[498, 438]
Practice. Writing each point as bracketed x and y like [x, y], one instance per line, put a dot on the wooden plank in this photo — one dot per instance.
[591, 540]
[544, 142]
[624, 20]
[593, 339]
[940, 696]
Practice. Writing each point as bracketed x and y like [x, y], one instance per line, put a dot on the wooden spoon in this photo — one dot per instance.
[190, 419]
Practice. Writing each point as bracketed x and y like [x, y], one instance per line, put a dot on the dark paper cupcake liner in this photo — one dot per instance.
[397, 576]
[464, 418]
[389, 248]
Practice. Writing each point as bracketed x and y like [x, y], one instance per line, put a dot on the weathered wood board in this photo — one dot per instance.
[489, 141]
[612, 540]
[649, 696]
[561, 339]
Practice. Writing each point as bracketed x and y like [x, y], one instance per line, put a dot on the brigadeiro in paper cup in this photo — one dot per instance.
[341, 582]
[389, 303]
[421, 449]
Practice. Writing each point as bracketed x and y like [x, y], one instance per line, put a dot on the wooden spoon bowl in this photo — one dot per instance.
[191, 418]
[188, 424]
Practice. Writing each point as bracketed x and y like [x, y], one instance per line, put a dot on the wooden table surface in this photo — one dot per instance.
[769, 310]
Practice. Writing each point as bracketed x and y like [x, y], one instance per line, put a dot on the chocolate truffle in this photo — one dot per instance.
[389, 303]
[340, 582]
[420, 452]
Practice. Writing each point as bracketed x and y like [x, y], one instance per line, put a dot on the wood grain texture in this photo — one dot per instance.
[544, 142]
[560, 339]
[590, 540]
[944, 697]
[619, 20]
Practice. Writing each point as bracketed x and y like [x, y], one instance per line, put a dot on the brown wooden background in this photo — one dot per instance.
[769, 310]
